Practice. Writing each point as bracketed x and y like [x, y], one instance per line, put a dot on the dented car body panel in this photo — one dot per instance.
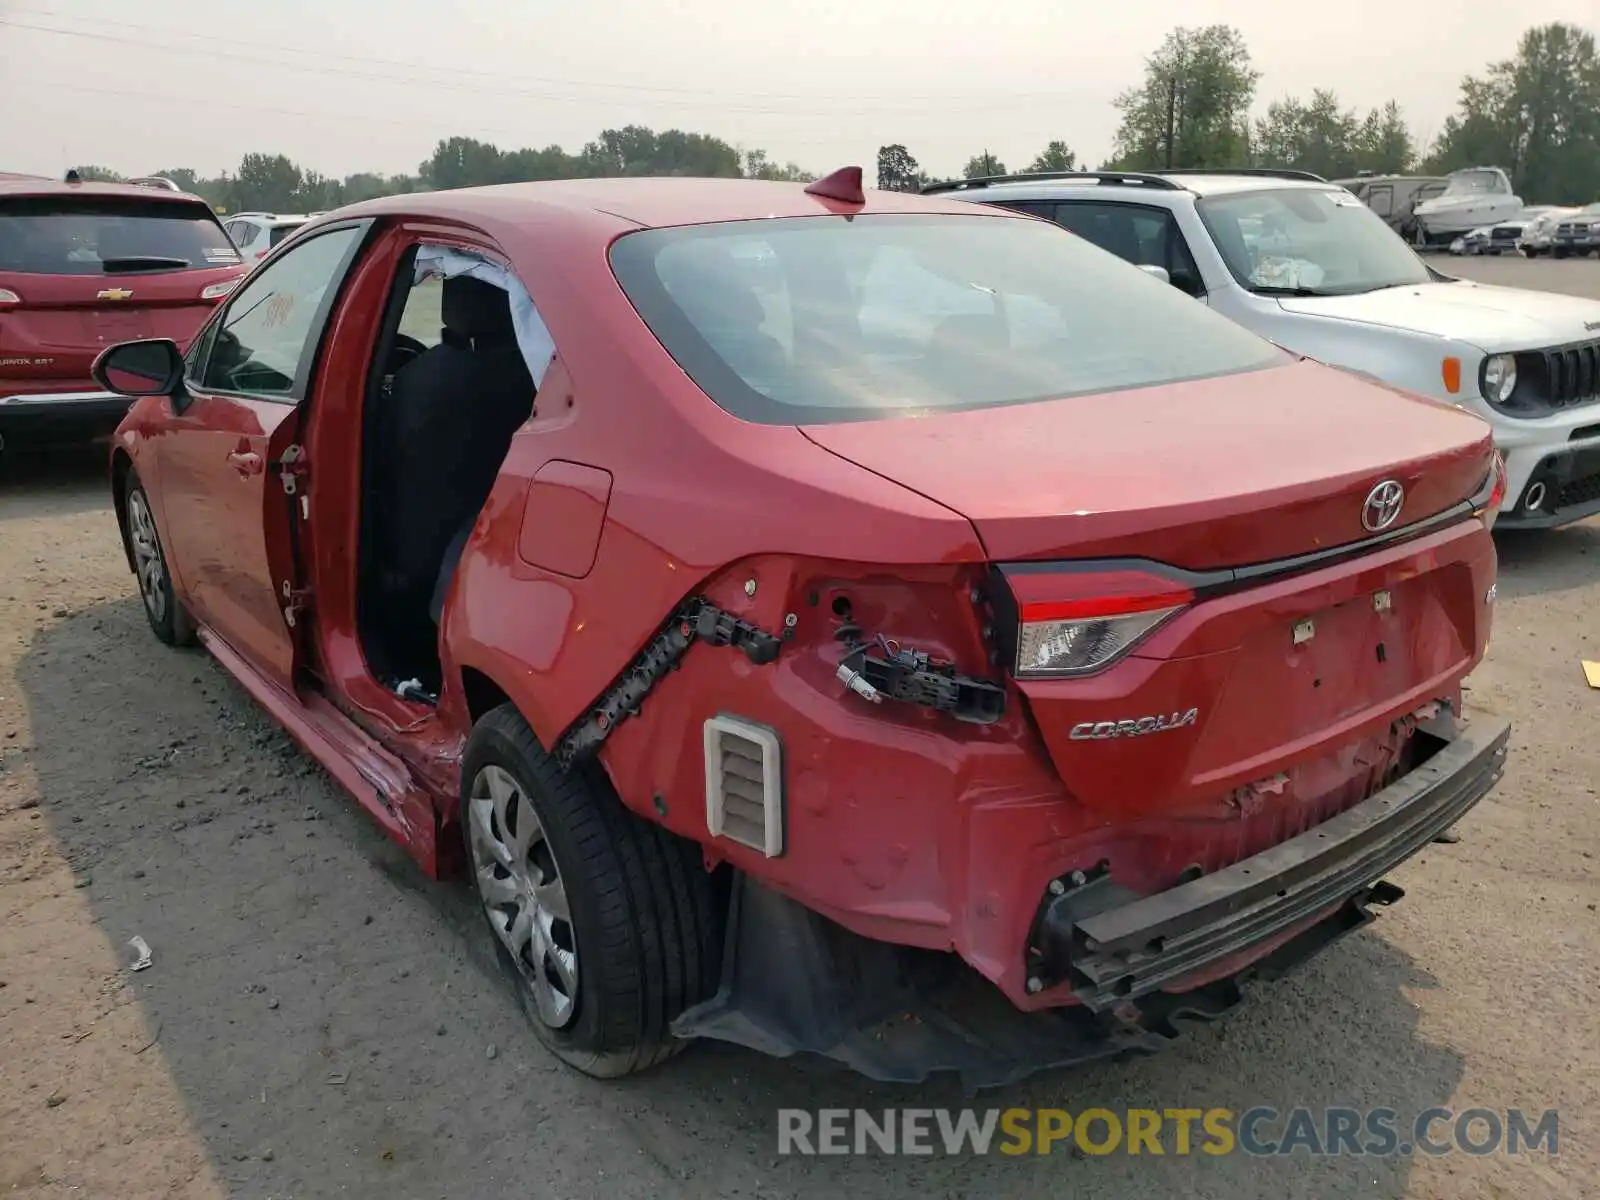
[647, 563]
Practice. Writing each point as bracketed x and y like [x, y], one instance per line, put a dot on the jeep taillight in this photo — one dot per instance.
[1090, 619]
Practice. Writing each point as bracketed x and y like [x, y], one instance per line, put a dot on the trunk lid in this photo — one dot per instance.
[80, 273]
[1213, 473]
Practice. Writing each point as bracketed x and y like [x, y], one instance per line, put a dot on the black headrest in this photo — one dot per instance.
[473, 309]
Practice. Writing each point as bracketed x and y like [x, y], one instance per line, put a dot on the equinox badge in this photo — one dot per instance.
[1092, 731]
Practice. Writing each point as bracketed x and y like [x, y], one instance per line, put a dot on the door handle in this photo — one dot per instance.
[245, 462]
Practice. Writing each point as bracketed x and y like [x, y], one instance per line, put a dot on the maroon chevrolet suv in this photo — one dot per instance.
[82, 267]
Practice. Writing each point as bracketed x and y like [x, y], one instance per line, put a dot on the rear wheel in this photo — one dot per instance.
[169, 620]
[607, 925]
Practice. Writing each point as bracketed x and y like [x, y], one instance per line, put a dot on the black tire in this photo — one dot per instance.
[169, 620]
[646, 918]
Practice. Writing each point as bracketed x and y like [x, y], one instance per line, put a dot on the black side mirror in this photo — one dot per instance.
[148, 368]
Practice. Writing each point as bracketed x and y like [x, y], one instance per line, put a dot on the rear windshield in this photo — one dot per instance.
[278, 232]
[810, 320]
[101, 236]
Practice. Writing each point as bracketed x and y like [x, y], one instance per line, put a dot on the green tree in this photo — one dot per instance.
[1192, 110]
[365, 185]
[897, 170]
[266, 182]
[1537, 115]
[460, 162]
[519, 166]
[318, 193]
[93, 174]
[981, 166]
[758, 166]
[1384, 145]
[637, 150]
[1319, 137]
[1057, 156]
[185, 178]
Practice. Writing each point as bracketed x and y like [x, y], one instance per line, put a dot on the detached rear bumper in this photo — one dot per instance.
[1110, 949]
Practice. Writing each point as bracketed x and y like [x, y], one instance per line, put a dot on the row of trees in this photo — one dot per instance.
[1536, 114]
[274, 183]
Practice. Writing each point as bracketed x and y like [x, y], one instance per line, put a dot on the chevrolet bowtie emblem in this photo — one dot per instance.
[114, 294]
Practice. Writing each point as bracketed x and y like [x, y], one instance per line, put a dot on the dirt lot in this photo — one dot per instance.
[320, 1021]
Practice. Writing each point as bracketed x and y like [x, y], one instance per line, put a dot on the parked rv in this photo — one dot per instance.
[1394, 197]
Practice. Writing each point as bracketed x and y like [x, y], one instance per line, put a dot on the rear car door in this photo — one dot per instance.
[223, 476]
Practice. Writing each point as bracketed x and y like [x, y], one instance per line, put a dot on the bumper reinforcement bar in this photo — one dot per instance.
[1147, 944]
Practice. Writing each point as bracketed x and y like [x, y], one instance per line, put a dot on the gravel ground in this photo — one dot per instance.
[319, 1020]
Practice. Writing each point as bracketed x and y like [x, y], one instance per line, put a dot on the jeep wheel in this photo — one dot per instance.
[169, 620]
[607, 925]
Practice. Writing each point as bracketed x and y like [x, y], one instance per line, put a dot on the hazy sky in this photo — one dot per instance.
[348, 85]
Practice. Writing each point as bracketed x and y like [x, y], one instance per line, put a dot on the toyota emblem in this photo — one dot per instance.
[1382, 506]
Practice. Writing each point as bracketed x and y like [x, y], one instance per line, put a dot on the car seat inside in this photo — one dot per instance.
[441, 430]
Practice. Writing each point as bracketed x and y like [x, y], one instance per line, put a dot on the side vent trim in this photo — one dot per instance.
[744, 784]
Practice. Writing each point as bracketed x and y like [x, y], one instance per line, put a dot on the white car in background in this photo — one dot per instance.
[1540, 235]
[1304, 263]
[1503, 237]
[256, 234]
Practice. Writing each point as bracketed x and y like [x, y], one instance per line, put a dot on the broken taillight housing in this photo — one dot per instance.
[1104, 619]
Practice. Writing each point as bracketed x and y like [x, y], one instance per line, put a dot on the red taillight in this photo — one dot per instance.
[8, 297]
[1077, 623]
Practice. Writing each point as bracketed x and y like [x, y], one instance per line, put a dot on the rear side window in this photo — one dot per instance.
[1148, 237]
[279, 232]
[806, 320]
[81, 235]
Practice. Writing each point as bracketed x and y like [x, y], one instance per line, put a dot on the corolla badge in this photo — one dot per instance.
[1094, 731]
[114, 294]
[1382, 506]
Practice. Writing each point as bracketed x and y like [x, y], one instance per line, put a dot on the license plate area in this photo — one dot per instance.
[1294, 679]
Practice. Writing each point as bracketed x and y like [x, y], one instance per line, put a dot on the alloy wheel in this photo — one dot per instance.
[523, 892]
[148, 565]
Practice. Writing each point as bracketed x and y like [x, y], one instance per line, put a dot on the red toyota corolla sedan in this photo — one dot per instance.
[838, 622]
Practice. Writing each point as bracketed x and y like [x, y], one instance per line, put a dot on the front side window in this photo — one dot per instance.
[1468, 183]
[1307, 241]
[820, 319]
[265, 337]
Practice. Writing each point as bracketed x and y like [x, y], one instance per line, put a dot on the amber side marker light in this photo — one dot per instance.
[1450, 371]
